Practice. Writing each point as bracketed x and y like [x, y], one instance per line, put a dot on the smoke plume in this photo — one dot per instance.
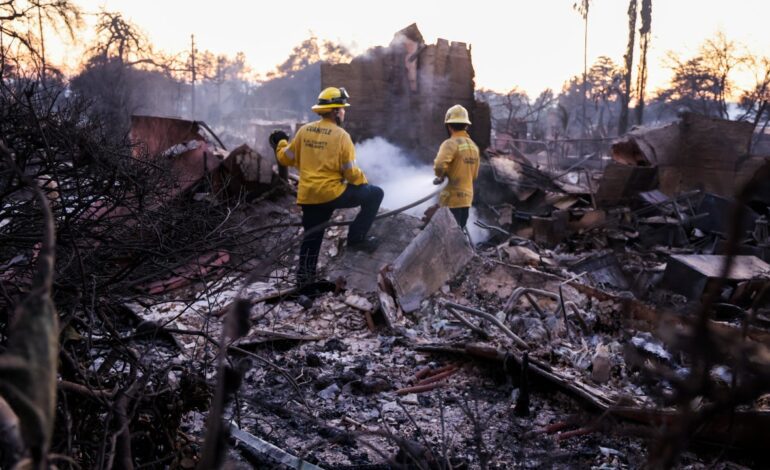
[403, 180]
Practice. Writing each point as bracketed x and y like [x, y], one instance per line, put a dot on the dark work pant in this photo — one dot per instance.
[366, 196]
[461, 215]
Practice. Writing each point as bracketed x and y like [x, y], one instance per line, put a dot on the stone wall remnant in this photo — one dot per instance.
[401, 92]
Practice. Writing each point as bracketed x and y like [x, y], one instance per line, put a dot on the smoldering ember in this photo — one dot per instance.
[605, 305]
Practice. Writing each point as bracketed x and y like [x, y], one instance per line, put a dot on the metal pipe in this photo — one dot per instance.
[518, 292]
[490, 318]
[467, 323]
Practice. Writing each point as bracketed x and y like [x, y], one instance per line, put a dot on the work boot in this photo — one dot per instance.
[367, 244]
[306, 293]
[304, 280]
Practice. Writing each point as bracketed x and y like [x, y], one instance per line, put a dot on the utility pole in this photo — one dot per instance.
[192, 66]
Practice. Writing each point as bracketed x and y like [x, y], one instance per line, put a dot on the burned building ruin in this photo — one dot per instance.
[402, 91]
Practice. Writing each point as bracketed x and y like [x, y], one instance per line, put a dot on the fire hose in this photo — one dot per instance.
[262, 268]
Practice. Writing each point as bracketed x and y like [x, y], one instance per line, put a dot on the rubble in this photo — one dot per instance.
[690, 275]
[550, 231]
[428, 338]
[619, 183]
[694, 152]
[602, 269]
[245, 170]
[181, 142]
[594, 317]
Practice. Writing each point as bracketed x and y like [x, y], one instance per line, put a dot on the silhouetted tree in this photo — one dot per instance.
[294, 83]
[21, 30]
[722, 56]
[516, 114]
[309, 52]
[704, 83]
[645, 32]
[119, 39]
[693, 87]
[123, 75]
[628, 58]
[604, 83]
[755, 102]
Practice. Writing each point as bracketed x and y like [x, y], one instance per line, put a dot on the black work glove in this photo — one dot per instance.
[277, 136]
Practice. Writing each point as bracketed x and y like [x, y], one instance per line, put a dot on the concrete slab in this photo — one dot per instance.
[359, 268]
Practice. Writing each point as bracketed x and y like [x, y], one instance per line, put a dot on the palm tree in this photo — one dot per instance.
[582, 8]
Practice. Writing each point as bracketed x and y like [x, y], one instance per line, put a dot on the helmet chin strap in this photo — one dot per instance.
[336, 114]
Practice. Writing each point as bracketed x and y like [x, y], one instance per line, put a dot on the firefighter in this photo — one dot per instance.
[458, 160]
[329, 179]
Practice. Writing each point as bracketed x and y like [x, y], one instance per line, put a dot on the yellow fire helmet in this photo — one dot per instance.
[331, 98]
[457, 115]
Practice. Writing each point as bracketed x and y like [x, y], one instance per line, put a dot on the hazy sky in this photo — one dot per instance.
[533, 44]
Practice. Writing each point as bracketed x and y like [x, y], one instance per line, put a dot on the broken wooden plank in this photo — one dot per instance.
[265, 297]
[388, 306]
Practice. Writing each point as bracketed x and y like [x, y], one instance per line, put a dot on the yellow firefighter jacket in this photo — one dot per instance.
[324, 154]
[458, 160]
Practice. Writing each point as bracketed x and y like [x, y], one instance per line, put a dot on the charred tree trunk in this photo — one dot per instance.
[625, 96]
[644, 45]
[761, 109]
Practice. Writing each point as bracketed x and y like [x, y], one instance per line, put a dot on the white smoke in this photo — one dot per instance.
[402, 180]
[390, 168]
